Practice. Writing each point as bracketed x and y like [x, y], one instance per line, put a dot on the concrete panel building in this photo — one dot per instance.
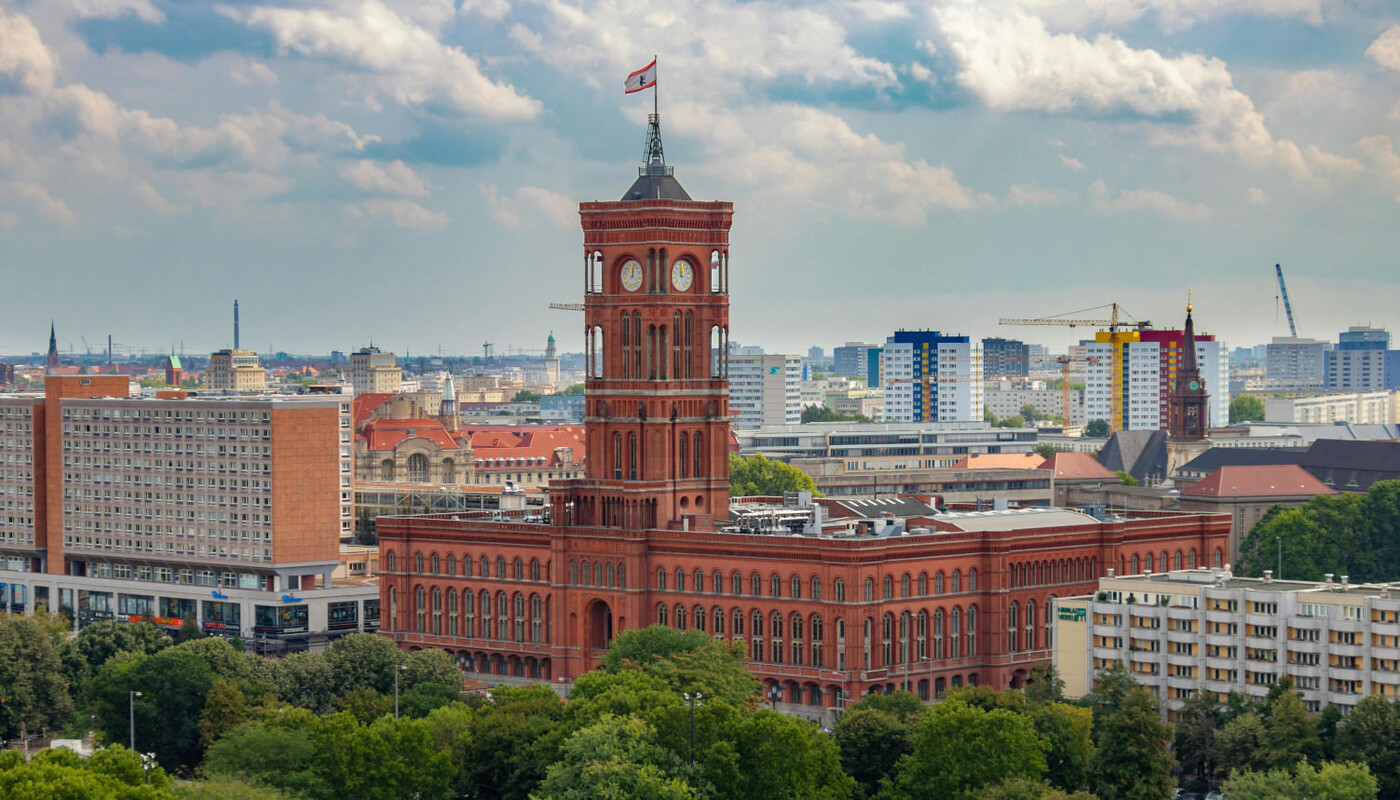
[932, 377]
[1202, 630]
[765, 390]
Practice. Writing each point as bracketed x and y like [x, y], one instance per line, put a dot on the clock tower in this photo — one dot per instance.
[1187, 424]
[656, 331]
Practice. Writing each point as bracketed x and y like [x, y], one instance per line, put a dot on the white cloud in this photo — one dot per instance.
[1030, 194]
[1381, 152]
[112, 9]
[529, 207]
[251, 71]
[395, 177]
[1257, 196]
[24, 196]
[1073, 163]
[490, 9]
[402, 59]
[1385, 50]
[1171, 15]
[152, 199]
[878, 10]
[403, 213]
[798, 153]
[714, 48]
[24, 60]
[1103, 201]
[1013, 63]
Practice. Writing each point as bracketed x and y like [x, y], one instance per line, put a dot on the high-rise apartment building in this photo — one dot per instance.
[1136, 396]
[234, 370]
[375, 372]
[852, 358]
[176, 507]
[1363, 337]
[930, 377]
[1296, 362]
[765, 390]
[1005, 358]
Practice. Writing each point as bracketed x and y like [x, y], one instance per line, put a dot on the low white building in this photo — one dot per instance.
[1367, 408]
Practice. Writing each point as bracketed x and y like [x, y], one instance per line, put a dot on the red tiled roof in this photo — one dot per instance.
[1000, 461]
[1077, 466]
[538, 442]
[386, 434]
[1275, 480]
[365, 404]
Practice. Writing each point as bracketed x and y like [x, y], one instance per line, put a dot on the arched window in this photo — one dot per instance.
[717, 582]
[956, 582]
[816, 588]
[699, 581]
[502, 616]
[904, 585]
[1191, 559]
[718, 615]
[617, 456]
[796, 587]
[536, 619]
[699, 616]
[1134, 568]
[451, 564]
[756, 585]
[756, 629]
[923, 584]
[661, 614]
[534, 569]
[519, 568]
[775, 586]
[869, 590]
[886, 639]
[626, 345]
[938, 635]
[391, 562]
[437, 564]
[632, 456]
[467, 564]
[971, 630]
[1013, 642]
[486, 568]
[681, 455]
[889, 587]
[500, 566]
[972, 579]
[418, 563]
[1050, 622]
[518, 631]
[386, 470]
[955, 632]
[738, 623]
[661, 578]
[736, 583]
[817, 631]
[622, 576]
[1177, 562]
[1030, 624]
[681, 621]
[839, 588]
[680, 579]
[417, 468]
[938, 582]
[795, 637]
[699, 462]
[1219, 558]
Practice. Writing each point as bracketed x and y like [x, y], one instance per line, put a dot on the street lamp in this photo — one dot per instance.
[692, 700]
[1279, 540]
[131, 717]
[397, 670]
[148, 760]
[774, 692]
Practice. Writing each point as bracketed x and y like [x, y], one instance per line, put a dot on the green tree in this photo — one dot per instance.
[816, 413]
[515, 739]
[1196, 726]
[173, 686]
[780, 756]
[1240, 744]
[33, 691]
[1290, 734]
[526, 396]
[959, 749]
[385, 760]
[1329, 533]
[871, 743]
[282, 755]
[615, 757]
[58, 774]
[364, 661]
[573, 389]
[688, 661]
[366, 705]
[1125, 479]
[1096, 429]
[1331, 782]
[1030, 414]
[99, 641]
[1066, 734]
[1013, 421]
[306, 680]
[759, 475]
[1027, 789]
[1132, 761]
[1370, 734]
[1044, 684]
[988, 416]
[227, 661]
[1047, 450]
[1246, 408]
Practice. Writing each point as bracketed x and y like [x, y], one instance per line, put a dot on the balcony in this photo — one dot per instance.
[1391, 678]
[1338, 649]
[1345, 674]
[1181, 612]
[1181, 660]
[1297, 646]
[1222, 639]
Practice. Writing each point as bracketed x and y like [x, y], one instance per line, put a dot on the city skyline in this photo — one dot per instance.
[407, 173]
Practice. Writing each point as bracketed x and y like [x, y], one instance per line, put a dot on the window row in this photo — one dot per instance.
[470, 568]
[501, 616]
[794, 585]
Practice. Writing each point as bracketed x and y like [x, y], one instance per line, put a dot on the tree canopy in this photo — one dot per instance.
[1246, 408]
[1345, 534]
[1096, 428]
[759, 475]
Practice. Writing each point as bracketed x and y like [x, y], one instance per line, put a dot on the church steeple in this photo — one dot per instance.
[1187, 400]
[53, 349]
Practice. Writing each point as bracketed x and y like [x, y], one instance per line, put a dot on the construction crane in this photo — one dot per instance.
[566, 306]
[1287, 306]
[1064, 362]
[1116, 339]
[926, 407]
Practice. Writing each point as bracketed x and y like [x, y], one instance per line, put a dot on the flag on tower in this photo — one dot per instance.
[644, 78]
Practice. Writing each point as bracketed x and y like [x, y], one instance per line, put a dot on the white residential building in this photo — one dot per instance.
[765, 390]
[1140, 393]
[929, 377]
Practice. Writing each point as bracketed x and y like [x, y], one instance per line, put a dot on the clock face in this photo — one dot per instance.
[1195, 385]
[631, 275]
[682, 275]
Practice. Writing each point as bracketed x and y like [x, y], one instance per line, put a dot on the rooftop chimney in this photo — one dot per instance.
[1110, 572]
[1268, 576]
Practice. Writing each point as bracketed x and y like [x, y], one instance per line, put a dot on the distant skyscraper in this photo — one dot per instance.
[1294, 361]
[851, 359]
[374, 371]
[1005, 358]
[1362, 337]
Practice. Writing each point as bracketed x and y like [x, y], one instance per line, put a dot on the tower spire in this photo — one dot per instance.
[52, 361]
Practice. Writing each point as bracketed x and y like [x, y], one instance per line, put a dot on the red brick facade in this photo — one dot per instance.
[635, 542]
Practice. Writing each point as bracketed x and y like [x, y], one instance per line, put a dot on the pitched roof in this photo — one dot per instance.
[365, 404]
[386, 434]
[1077, 466]
[1352, 465]
[493, 444]
[1217, 457]
[1276, 480]
[1001, 461]
[1138, 453]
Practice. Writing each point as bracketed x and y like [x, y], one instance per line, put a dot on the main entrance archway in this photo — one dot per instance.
[598, 632]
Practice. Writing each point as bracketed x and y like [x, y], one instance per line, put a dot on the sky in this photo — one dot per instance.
[407, 172]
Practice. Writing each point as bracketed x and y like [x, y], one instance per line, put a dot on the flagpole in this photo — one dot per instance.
[656, 90]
